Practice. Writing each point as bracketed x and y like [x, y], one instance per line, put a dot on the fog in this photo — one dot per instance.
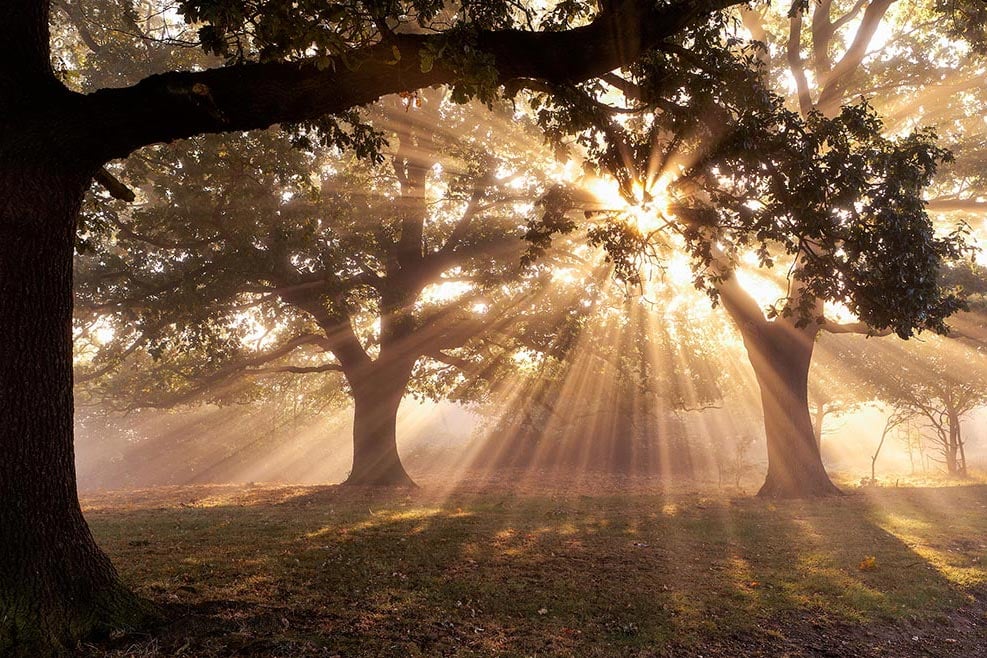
[440, 444]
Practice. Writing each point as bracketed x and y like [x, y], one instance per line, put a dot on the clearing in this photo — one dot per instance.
[588, 569]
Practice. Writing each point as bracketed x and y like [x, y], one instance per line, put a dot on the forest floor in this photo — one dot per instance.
[594, 569]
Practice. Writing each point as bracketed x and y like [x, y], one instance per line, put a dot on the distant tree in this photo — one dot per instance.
[831, 196]
[836, 385]
[894, 420]
[937, 383]
[735, 462]
[909, 433]
[388, 270]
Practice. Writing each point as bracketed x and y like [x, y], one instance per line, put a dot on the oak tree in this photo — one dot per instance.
[284, 65]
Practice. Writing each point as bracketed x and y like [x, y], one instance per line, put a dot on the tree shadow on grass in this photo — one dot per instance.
[334, 572]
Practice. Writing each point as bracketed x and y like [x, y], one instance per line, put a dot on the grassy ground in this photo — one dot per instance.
[595, 571]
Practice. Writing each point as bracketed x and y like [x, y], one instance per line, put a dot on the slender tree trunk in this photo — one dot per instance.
[948, 448]
[961, 469]
[888, 425]
[781, 355]
[950, 460]
[377, 395]
[956, 445]
[56, 586]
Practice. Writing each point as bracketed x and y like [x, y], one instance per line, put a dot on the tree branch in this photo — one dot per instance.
[831, 95]
[175, 105]
[326, 367]
[795, 64]
[853, 328]
[450, 359]
[113, 185]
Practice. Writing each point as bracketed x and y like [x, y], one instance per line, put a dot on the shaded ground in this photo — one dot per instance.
[317, 571]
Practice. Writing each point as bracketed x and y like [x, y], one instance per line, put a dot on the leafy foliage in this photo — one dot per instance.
[742, 172]
[249, 255]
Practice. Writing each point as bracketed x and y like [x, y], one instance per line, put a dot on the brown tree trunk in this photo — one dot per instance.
[957, 455]
[961, 460]
[56, 586]
[950, 454]
[377, 395]
[817, 425]
[781, 355]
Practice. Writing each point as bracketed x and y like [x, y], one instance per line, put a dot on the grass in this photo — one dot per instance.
[299, 571]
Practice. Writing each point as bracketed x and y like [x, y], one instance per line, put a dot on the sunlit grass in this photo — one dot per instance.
[304, 570]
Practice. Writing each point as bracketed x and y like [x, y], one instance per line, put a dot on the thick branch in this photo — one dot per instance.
[450, 359]
[243, 97]
[738, 303]
[232, 371]
[796, 65]
[854, 328]
[822, 33]
[831, 95]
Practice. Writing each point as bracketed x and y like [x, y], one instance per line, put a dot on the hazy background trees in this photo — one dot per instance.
[649, 372]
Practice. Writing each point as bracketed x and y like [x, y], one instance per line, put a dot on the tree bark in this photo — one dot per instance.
[781, 354]
[949, 453]
[957, 455]
[377, 396]
[56, 586]
[817, 425]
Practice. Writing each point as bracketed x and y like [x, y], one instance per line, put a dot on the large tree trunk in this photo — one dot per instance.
[817, 423]
[377, 395]
[56, 586]
[781, 355]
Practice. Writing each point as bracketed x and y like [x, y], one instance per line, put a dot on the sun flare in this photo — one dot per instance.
[645, 208]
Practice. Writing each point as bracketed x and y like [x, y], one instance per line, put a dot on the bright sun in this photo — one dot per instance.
[646, 211]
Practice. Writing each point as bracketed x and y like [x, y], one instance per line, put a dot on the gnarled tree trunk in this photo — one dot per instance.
[781, 354]
[56, 586]
[377, 395]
